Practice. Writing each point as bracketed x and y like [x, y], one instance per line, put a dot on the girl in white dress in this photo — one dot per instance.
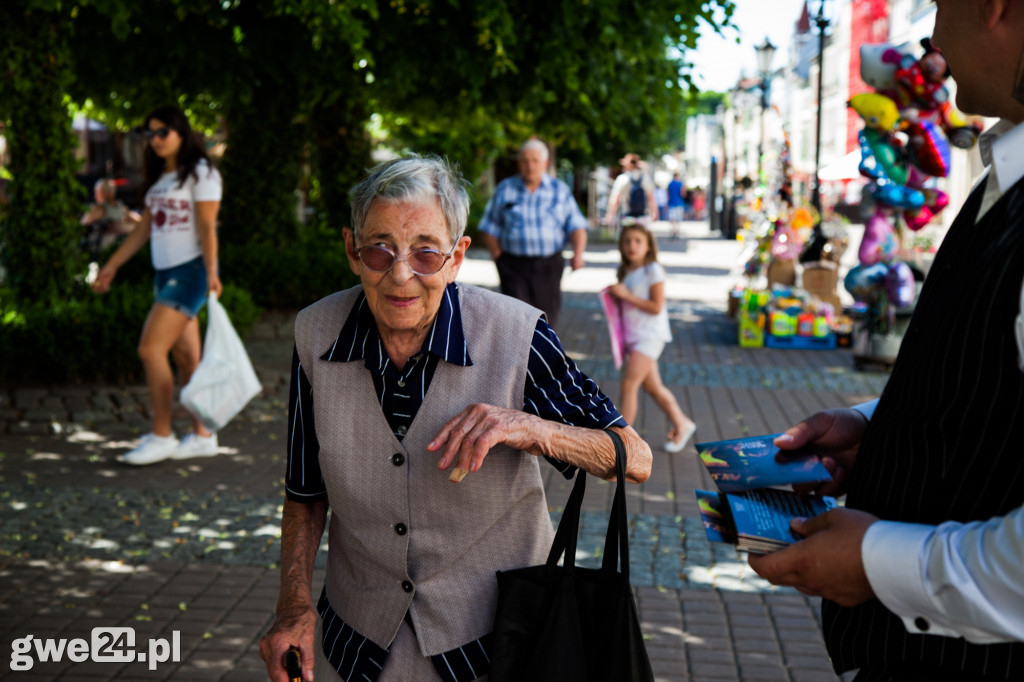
[641, 291]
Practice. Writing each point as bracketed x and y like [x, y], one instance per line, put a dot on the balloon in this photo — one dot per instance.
[899, 285]
[785, 244]
[935, 201]
[962, 131]
[920, 82]
[862, 280]
[896, 196]
[803, 218]
[928, 147]
[878, 64]
[879, 242]
[880, 158]
[878, 111]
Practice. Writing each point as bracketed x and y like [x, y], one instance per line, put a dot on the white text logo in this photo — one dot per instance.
[105, 645]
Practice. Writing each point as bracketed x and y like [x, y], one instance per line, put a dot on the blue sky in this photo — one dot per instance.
[719, 61]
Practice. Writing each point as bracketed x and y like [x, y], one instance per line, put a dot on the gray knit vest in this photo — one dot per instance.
[458, 534]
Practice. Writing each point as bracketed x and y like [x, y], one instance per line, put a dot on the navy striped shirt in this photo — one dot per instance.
[555, 389]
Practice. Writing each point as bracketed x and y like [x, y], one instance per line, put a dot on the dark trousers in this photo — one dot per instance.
[537, 281]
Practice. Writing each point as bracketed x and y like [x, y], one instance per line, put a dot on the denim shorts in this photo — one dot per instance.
[182, 287]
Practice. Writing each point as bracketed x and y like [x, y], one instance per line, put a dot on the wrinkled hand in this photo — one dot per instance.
[619, 291]
[467, 437]
[832, 435]
[288, 630]
[104, 278]
[827, 562]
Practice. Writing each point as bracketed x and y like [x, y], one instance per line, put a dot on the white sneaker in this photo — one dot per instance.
[194, 445]
[151, 449]
[674, 446]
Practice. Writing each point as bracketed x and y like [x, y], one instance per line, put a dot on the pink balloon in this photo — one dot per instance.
[879, 243]
[785, 244]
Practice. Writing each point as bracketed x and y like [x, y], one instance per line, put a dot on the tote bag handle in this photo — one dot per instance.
[617, 538]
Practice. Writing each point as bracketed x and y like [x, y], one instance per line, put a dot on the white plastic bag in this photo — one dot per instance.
[225, 381]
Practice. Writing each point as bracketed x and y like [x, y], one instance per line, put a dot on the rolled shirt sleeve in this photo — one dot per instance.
[557, 390]
[303, 480]
[956, 579]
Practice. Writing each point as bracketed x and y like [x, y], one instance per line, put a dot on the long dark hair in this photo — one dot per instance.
[652, 248]
[190, 153]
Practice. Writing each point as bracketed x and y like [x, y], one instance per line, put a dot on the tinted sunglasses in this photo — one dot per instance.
[421, 261]
[162, 133]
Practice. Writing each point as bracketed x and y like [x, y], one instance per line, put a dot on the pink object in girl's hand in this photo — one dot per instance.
[613, 314]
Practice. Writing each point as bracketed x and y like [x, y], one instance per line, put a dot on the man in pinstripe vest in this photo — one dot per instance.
[922, 573]
[419, 411]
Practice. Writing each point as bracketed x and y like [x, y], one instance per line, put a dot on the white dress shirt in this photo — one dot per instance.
[957, 579]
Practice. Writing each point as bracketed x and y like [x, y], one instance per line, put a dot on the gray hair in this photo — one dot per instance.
[106, 186]
[535, 144]
[414, 178]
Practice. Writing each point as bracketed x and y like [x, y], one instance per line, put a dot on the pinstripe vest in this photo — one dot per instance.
[946, 441]
[457, 535]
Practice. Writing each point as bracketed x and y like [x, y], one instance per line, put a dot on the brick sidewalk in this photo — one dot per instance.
[192, 546]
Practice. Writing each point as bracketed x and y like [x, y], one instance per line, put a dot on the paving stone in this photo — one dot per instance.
[28, 398]
[29, 427]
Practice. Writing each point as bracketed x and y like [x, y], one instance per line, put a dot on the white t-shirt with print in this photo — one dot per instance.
[637, 325]
[173, 236]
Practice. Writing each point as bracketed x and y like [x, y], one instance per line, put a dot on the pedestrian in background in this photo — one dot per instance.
[182, 198]
[641, 290]
[108, 218]
[632, 198]
[526, 224]
[922, 570]
[676, 204]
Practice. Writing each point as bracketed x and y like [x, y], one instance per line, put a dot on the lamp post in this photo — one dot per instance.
[816, 244]
[765, 53]
[822, 23]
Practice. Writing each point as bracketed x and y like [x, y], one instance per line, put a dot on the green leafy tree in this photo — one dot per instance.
[295, 82]
[594, 78]
[39, 231]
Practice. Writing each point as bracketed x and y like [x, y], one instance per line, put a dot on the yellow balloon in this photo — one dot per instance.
[878, 111]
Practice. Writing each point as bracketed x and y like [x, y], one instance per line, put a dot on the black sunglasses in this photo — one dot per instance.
[421, 261]
[162, 133]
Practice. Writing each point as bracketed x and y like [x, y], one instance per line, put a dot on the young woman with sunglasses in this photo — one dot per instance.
[183, 192]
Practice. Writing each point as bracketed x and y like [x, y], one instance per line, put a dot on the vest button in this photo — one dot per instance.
[407, 586]
[401, 529]
[398, 459]
[921, 624]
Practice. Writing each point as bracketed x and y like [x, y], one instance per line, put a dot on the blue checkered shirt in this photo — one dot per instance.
[534, 224]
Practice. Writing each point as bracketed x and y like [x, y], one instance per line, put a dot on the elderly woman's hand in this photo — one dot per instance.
[469, 436]
[293, 629]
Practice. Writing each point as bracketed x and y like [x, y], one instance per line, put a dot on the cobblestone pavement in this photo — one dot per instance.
[192, 546]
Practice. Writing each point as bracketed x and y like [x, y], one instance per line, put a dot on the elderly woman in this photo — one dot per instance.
[419, 408]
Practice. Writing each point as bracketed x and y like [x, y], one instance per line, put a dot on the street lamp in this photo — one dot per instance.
[765, 53]
[822, 23]
[815, 245]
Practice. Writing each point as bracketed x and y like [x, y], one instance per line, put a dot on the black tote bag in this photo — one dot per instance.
[569, 624]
